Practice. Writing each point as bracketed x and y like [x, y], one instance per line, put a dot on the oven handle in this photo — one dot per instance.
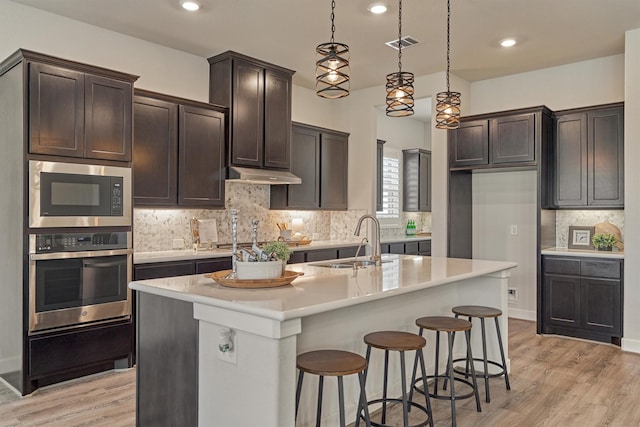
[98, 264]
[85, 254]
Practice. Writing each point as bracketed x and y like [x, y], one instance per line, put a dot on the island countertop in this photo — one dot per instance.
[322, 289]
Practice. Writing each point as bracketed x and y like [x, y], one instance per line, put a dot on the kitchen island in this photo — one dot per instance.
[325, 308]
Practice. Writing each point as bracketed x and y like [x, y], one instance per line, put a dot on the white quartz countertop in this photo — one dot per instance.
[322, 289]
[584, 253]
[415, 238]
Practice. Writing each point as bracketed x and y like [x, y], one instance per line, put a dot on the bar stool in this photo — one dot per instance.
[450, 325]
[335, 363]
[482, 313]
[400, 342]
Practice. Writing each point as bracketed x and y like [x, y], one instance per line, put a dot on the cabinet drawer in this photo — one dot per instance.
[424, 247]
[165, 269]
[601, 268]
[296, 257]
[351, 252]
[562, 265]
[211, 265]
[322, 255]
[411, 248]
[396, 248]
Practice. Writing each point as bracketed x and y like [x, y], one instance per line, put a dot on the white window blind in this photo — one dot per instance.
[390, 187]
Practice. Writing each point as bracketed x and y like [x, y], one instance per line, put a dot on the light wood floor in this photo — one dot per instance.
[555, 382]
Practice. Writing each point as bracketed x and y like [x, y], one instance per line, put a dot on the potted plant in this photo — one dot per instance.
[281, 251]
[603, 241]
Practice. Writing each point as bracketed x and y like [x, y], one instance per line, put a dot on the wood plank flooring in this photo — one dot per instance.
[555, 382]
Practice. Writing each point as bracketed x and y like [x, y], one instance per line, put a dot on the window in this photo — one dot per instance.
[390, 213]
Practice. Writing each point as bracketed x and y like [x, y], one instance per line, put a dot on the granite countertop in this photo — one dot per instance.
[321, 289]
[584, 253]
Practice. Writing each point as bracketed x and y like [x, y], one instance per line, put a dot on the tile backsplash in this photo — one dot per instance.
[422, 221]
[155, 229]
[565, 218]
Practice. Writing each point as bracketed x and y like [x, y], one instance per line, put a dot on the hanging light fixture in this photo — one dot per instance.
[448, 103]
[332, 66]
[399, 85]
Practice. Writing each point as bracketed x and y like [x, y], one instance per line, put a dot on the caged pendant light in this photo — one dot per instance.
[332, 66]
[399, 85]
[448, 103]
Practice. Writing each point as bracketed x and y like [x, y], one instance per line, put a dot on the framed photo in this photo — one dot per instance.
[580, 237]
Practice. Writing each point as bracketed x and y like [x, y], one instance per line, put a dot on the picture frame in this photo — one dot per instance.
[580, 237]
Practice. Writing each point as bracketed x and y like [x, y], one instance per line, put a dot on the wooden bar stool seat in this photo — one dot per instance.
[331, 363]
[482, 312]
[450, 325]
[400, 342]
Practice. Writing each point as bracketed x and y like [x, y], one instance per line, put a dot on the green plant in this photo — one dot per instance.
[280, 249]
[603, 240]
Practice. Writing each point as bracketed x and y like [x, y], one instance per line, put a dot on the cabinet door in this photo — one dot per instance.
[322, 255]
[163, 269]
[424, 197]
[305, 153]
[247, 114]
[107, 119]
[277, 119]
[334, 161]
[424, 247]
[570, 165]
[601, 301]
[211, 265]
[201, 157]
[155, 152]
[469, 144]
[562, 300]
[606, 158]
[396, 248]
[410, 180]
[56, 111]
[379, 173]
[512, 139]
[411, 248]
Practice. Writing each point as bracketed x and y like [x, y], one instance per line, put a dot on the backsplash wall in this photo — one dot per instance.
[155, 229]
[565, 218]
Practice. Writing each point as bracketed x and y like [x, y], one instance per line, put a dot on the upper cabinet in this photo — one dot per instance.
[320, 157]
[379, 174]
[258, 95]
[77, 110]
[506, 139]
[588, 166]
[416, 180]
[178, 152]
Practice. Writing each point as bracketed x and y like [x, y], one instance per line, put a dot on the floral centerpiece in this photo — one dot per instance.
[603, 241]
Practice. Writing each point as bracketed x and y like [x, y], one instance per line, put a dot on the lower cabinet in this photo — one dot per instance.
[157, 270]
[420, 247]
[582, 297]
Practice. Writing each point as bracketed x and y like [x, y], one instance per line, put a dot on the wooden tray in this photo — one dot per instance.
[220, 278]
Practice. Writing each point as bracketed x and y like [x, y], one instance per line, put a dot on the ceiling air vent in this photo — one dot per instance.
[406, 41]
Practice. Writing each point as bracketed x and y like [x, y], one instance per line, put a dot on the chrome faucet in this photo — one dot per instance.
[377, 251]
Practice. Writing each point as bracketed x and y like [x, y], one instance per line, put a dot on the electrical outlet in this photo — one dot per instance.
[514, 230]
[512, 294]
[228, 346]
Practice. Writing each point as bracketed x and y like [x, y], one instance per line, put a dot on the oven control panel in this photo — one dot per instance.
[73, 242]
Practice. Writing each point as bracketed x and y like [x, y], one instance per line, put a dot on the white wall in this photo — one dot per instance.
[631, 340]
[400, 133]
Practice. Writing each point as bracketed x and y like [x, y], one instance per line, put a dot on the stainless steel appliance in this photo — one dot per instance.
[78, 195]
[77, 278]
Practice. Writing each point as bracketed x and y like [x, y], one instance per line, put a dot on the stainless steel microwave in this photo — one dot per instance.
[78, 195]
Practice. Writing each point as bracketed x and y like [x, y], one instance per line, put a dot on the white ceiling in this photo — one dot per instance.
[286, 32]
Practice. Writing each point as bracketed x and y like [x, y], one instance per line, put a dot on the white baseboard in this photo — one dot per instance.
[10, 364]
[631, 346]
[517, 313]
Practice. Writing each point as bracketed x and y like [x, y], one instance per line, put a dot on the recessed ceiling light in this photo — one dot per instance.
[190, 5]
[507, 42]
[377, 8]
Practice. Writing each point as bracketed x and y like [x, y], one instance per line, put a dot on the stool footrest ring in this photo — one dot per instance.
[462, 371]
[411, 405]
[447, 396]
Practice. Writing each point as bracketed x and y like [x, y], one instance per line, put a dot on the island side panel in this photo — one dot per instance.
[167, 362]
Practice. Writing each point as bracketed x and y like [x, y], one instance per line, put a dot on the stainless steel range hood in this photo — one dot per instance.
[261, 176]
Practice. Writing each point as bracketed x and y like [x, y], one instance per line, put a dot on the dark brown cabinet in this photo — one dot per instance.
[420, 247]
[258, 95]
[588, 168]
[379, 174]
[178, 154]
[416, 180]
[320, 159]
[75, 113]
[499, 141]
[583, 297]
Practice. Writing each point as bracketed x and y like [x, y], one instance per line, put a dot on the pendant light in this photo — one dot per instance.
[448, 103]
[332, 66]
[399, 85]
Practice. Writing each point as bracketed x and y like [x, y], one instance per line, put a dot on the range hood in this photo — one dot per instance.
[261, 176]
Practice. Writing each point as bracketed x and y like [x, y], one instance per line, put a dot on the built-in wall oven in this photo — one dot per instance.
[78, 195]
[78, 278]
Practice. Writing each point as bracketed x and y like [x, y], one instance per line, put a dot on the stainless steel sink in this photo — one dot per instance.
[352, 263]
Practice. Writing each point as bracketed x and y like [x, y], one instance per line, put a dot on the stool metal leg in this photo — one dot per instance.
[405, 405]
[473, 370]
[450, 372]
[484, 360]
[298, 390]
[341, 400]
[383, 419]
[504, 361]
[363, 398]
[319, 411]
[425, 386]
[435, 377]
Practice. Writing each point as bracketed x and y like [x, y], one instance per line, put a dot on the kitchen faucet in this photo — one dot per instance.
[377, 251]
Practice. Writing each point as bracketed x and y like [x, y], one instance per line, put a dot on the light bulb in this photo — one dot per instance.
[190, 5]
[400, 94]
[333, 76]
